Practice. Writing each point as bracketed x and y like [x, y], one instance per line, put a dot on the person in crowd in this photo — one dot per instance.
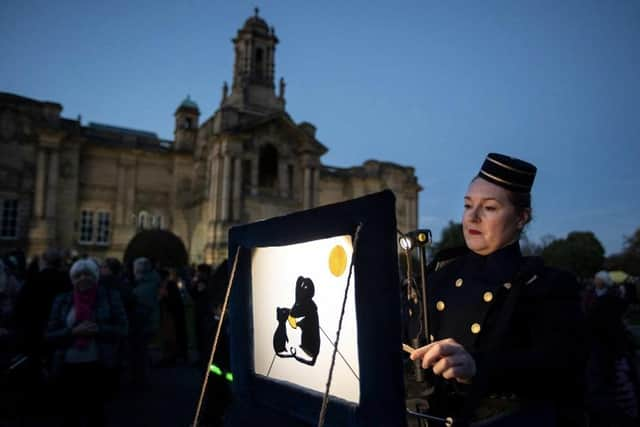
[173, 324]
[200, 291]
[612, 373]
[219, 393]
[167, 323]
[33, 268]
[507, 333]
[34, 305]
[15, 264]
[111, 278]
[9, 289]
[146, 318]
[84, 328]
[177, 308]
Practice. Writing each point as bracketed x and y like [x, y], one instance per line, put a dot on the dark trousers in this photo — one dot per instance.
[84, 388]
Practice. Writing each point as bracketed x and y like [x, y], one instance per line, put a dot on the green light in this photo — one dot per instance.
[213, 368]
[229, 376]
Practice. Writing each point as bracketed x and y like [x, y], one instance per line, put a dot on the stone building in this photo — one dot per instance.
[92, 187]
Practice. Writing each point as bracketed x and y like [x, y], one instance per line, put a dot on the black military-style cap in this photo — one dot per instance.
[508, 172]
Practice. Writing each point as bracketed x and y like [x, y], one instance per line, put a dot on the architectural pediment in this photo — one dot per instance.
[282, 127]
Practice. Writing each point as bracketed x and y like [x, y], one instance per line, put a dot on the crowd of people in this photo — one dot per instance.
[510, 340]
[80, 327]
[613, 386]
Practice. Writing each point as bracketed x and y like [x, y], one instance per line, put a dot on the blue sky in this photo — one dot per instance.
[434, 85]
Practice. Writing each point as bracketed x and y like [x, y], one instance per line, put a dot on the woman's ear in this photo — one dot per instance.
[523, 218]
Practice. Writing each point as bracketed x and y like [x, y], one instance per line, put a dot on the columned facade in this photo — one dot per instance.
[92, 187]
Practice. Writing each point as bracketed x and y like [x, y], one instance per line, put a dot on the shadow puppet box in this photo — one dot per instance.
[285, 307]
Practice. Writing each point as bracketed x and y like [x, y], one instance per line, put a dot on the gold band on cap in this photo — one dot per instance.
[526, 187]
[510, 167]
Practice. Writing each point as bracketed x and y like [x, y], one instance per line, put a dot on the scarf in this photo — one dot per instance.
[84, 303]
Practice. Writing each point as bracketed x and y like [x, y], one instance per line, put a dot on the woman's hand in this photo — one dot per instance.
[86, 329]
[448, 359]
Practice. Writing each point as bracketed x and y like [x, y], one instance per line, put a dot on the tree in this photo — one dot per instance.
[451, 237]
[629, 259]
[580, 253]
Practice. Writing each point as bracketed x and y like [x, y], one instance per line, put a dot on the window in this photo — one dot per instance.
[104, 228]
[259, 62]
[9, 219]
[268, 167]
[86, 227]
[95, 227]
[148, 221]
[290, 178]
[246, 174]
[143, 220]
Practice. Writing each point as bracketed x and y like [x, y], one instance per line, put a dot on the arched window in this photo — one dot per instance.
[259, 62]
[268, 167]
[144, 220]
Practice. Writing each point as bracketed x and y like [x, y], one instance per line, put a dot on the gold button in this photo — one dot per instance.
[440, 305]
[487, 297]
[507, 286]
[458, 283]
[475, 328]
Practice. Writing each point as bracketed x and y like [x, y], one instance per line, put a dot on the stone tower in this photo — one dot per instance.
[253, 85]
[186, 125]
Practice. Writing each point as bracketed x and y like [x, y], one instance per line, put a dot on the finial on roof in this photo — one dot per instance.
[256, 11]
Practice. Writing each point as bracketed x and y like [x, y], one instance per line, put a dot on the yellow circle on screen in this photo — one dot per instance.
[337, 260]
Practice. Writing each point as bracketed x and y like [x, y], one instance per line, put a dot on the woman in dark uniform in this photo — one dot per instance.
[507, 340]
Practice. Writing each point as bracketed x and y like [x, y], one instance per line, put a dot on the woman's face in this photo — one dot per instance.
[489, 221]
[83, 280]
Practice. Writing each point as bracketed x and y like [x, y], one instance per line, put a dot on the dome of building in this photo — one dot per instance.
[256, 24]
[188, 103]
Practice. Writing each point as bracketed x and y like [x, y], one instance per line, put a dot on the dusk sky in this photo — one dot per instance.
[433, 85]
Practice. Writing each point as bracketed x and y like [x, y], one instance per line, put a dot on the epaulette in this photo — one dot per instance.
[445, 257]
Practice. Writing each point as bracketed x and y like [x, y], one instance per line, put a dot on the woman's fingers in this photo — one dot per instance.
[448, 364]
[448, 359]
[438, 350]
[436, 346]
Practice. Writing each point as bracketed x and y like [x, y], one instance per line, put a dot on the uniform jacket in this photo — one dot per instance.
[535, 353]
[109, 316]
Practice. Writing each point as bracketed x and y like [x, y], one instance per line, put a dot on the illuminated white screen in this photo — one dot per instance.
[304, 357]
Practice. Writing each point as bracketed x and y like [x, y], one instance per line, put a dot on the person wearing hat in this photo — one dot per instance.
[84, 328]
[506, 344]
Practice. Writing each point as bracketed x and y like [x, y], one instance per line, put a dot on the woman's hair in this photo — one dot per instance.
[522, 203]
[85, 264]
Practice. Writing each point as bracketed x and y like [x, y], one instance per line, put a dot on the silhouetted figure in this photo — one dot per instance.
[34, 305]
[174, 328]
[612, 381]
[111, 278]
[303, 315]
[9, 289]
[218, 395]
[145, 320]
[203, 309]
